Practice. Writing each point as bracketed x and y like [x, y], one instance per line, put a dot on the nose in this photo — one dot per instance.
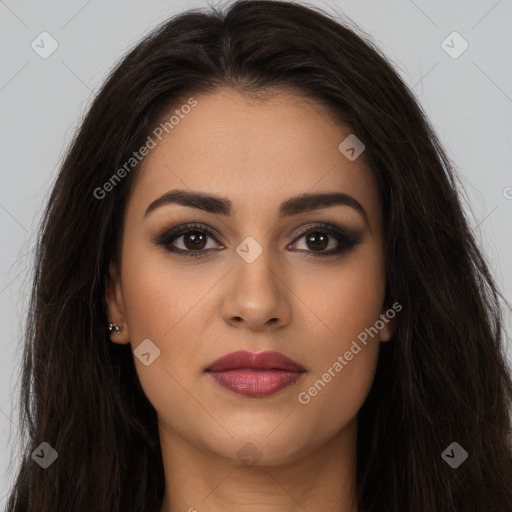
[257, 294]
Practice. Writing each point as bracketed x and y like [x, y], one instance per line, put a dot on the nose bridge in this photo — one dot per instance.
[256, 294]
[256, 241]
[256, 261]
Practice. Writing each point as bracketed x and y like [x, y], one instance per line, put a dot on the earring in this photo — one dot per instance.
[114, 328]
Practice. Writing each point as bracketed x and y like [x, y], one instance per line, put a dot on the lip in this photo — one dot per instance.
[255, 375]
[268, 360]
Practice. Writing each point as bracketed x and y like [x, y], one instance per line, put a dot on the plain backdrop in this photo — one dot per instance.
[468, 100]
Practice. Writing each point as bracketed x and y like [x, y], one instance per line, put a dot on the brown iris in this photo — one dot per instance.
[196, 239]
[317, 240]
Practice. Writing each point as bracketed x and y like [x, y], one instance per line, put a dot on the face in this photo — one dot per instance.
[257, 271]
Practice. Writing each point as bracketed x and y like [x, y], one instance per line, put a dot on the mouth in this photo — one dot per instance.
[255, 375]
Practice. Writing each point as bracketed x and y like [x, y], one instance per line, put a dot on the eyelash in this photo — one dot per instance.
[346, 238]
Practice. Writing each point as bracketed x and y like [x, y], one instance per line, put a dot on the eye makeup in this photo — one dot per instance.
[195, 234]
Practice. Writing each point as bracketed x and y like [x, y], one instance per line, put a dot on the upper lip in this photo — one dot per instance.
[262, 361]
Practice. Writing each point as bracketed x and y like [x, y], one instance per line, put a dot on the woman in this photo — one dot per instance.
[256, 289]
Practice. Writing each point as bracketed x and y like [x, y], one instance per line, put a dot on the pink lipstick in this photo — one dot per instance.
[255, 375]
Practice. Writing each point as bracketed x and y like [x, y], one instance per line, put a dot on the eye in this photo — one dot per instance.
[192, 240]
[191, 237]
[320, 237]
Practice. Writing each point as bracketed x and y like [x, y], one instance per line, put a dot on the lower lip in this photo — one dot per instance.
[256, 383]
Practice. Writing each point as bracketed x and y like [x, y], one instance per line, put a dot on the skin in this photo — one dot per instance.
[310, 308]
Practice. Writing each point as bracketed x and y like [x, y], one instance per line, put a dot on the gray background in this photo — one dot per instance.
[468, 99]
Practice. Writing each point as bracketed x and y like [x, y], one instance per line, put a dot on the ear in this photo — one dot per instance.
[389, 328]
[115, 306]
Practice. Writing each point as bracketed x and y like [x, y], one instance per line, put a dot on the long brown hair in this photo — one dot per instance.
[443, 377]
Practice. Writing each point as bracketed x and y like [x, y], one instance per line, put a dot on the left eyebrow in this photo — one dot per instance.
[292, 206]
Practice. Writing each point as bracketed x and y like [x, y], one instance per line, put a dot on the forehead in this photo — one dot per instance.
[257, 153]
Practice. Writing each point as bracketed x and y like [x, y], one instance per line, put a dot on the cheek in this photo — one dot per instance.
[164, 306]
[332, 398]
[344, 349]
[343, 299]
[344, 346]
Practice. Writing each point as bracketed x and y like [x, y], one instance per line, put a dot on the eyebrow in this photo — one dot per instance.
[223, 206]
